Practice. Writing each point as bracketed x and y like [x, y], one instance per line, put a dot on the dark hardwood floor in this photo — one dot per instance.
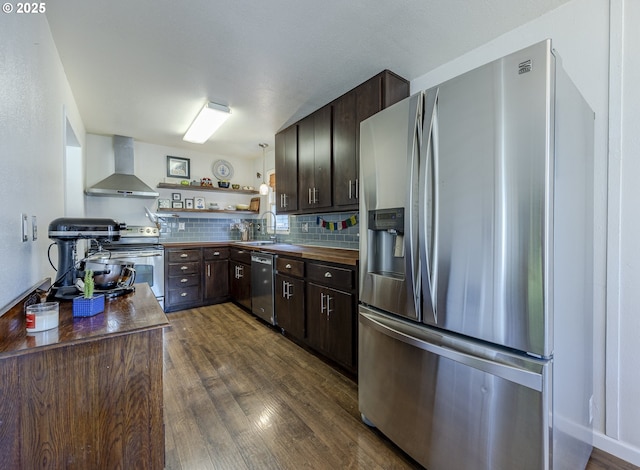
[239, 395]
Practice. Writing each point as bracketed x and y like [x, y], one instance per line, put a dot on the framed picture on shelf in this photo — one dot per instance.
[177, 205]
[176, 196]
[164, 204]
[178, 167]
[188, 203]
[198, 203]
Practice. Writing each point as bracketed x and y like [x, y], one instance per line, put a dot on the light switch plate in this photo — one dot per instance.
[24, 222]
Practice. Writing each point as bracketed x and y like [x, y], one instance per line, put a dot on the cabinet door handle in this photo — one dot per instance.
[357, 195]
[184, 268]
[349, 189]
[286, 290]
[316, 192]
[322, 307]
[184, 255]
[310, 196]
[328, 274]
[183, 280]
[287, 266]
[328, 306]
[240, 272]
[208, 270]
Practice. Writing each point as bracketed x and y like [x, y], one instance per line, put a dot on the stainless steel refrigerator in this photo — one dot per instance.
[476, 248]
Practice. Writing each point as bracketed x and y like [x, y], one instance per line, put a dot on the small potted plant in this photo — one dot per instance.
[88, 304]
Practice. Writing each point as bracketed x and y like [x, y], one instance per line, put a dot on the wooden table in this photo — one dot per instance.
[87, 394]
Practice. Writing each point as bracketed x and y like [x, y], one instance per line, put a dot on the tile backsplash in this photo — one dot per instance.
[335, 230]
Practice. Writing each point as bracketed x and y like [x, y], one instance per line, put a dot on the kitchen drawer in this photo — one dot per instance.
[290, 267]
[211, 254]
[239, 254]
[184, 296]
[181, 281]
[179, 256]
[178, 269]
[332, 276]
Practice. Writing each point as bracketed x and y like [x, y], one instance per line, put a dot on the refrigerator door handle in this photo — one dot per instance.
[527, 377]
[428, 214]
[411, 239]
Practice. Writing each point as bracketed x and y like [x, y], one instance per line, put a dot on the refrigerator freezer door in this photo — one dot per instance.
[492, 142]
[452, 404]
[389, 145]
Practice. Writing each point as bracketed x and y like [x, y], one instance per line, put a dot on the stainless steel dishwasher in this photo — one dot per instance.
[262, 286]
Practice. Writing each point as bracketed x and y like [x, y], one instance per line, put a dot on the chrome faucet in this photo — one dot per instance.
[264, 227]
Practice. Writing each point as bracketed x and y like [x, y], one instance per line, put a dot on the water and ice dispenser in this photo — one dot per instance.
[385, 254]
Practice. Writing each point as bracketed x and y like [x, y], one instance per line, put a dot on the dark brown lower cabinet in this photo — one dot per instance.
[183, 278]
[216, 274]
[240, 283]
[289, 305]
[330, 320]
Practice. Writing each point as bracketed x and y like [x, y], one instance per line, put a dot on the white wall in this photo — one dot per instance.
[151, 167]
[581, 32]
[34, 100]
[624, 374]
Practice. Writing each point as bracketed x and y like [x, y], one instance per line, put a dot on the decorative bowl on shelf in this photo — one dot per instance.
[235, 186]
[223, 184]
[242, 207]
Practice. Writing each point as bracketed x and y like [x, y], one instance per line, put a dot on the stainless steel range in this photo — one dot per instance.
[141, 246]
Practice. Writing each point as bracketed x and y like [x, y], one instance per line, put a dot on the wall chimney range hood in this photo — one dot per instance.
[123, 182]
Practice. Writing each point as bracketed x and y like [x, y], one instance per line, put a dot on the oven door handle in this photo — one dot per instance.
[127, 254]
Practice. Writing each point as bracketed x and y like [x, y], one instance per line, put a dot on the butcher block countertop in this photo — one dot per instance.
[317, 253]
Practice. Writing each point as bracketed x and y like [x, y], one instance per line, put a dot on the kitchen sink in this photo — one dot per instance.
[258, 243]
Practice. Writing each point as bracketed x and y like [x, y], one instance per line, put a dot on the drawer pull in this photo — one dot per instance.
[288, 266]
[184, 294]
[328, 274]
[183, 280]
[216, 253]
[184, 255]
[184, 268]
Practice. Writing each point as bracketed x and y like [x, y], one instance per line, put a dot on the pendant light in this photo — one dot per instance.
[264, 188]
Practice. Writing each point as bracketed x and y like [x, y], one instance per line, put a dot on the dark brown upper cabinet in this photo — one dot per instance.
[314, 160]
[349, 110]
[286, 159]
[317, 158]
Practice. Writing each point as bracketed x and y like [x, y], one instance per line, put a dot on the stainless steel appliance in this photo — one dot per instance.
[66, 232]
[476, 247]
[262, 275]
[140, 246]
[122, 182]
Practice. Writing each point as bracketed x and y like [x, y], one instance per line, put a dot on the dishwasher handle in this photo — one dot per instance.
[261, 259]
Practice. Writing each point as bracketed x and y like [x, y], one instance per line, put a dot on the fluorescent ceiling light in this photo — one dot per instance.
[211, 117]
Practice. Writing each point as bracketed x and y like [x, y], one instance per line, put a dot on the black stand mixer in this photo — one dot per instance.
[66, 232]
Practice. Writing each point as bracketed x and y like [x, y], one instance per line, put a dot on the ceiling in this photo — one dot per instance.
[144, 68]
